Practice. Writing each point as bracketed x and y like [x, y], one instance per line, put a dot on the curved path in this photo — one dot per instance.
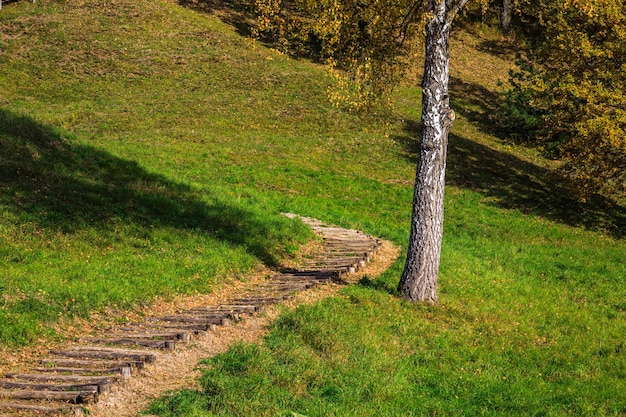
[105, 374]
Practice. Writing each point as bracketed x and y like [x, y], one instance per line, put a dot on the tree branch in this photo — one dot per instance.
[452, 12]
[406, 21]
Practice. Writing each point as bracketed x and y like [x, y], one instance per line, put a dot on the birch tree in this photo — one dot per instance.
[420, 276]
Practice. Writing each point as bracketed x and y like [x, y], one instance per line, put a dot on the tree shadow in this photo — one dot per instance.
[237, 13]
[506, 47]
[378, 285]
[57, 184]
[512, 183]
[242, 16]
[478, 105]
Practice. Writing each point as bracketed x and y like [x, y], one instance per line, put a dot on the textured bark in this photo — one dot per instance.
[505, 15]
[420, 275]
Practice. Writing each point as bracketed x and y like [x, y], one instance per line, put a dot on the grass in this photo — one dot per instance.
[147, 149]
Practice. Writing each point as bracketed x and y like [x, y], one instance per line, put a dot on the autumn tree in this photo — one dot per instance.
[569, 93]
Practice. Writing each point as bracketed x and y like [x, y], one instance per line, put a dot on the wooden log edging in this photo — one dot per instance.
[68, 380]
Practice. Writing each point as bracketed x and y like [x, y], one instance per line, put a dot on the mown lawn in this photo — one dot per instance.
[147, 150]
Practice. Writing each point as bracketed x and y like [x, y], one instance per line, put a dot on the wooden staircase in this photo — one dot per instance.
[68, 381]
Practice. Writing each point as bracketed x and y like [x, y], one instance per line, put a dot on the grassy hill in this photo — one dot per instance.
[147, 149]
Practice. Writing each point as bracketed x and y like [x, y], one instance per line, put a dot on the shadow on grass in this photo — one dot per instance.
[512, 183]
[242, 16]
[378, 285]
[55, 184]
[237, 13]
[477, 104]
[501, 47]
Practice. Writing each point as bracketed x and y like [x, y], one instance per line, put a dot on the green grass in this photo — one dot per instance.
[531, 322]
[147, 149]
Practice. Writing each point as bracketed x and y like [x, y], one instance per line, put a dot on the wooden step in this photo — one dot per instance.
[74, 397]
[155, 326]
[129, 341]
[138, 333]
[43, 409]
[287, 286]
[190, 319]
[333, 261]
[18, 385]
[212, 315]
[315, 277]
[103, 383]
[262, 300]
[125, 371]
[231, 308]
[94, 364]
[196, 328]
[103, 353]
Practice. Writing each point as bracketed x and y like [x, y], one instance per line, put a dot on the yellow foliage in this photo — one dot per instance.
[367, 45]
[577, 91]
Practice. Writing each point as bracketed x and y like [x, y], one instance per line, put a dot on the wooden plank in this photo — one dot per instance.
[155, 326]
[229, 308]
[261, 300]
[128, 341]
[210, 314]
[125, 371]
[102, 382]
[240, 308]
[103, 353]
[329, 229]
[197, 328]
[93, 364]
[337, 270]
[75, 397]
[287, 286]
[330, 265]
[139, 333]
[355, 238]
[342, 252]
[282, 289]
[347, 238]
[334, 260]
[310, 278]
[70, 410]
[223, 321]
[354, 247]
[9, 384]
[93, 380]
[312, 275]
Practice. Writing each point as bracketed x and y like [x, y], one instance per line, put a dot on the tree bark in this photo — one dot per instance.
[505, 15]
[420, 275]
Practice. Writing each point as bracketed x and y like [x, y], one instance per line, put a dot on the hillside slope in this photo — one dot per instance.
[147, 149]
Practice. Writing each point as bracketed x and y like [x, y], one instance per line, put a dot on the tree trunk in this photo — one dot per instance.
[505, 15]
[420, 275]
